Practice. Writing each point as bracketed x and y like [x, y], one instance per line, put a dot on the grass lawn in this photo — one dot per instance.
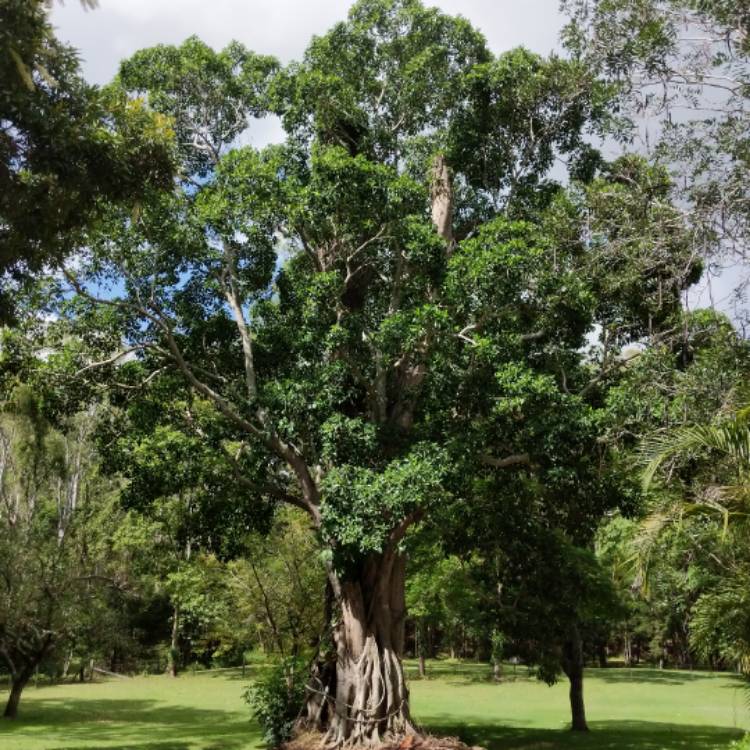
[627, 709]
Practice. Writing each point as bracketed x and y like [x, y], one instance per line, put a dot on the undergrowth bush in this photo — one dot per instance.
[276, 699]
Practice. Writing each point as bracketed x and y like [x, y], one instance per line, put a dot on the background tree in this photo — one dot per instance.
[277, 587]
[678, 552]
[719, 487]
[53, 500]
[64, 145]
[682, 70]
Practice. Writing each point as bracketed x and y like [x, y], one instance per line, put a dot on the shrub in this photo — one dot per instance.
[276, 699]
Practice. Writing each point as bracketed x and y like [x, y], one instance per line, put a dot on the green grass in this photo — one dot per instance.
[627, 709]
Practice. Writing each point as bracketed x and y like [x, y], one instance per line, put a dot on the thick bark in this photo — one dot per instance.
[573, 666]
[359, 696]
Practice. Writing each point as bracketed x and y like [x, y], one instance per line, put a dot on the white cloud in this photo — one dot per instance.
[283, 28]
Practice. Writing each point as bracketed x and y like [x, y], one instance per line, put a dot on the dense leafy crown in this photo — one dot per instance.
[307, 321]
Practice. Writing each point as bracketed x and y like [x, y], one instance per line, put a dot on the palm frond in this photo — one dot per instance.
[731, 438]
[644, 544]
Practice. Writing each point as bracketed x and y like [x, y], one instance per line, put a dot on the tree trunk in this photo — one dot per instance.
[572, 663]
[19, 682]
[66, 663]
[602, 654]
[577, 707]
[359, 695]
[627, 651]
[11, 707]
[419, 637]
[497, 670]
[174, 651]
[442, 200]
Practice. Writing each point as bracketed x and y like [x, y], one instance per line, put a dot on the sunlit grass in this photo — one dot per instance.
[627, 709]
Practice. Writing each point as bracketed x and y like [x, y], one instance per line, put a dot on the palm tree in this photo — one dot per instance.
[717, 456]
[726, 440]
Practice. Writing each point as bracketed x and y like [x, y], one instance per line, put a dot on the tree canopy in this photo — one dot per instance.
[402, 335]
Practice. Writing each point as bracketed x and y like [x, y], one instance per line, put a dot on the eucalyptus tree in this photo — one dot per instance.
[277, 590]
[361, 322]
[52, 548]
[682, 69]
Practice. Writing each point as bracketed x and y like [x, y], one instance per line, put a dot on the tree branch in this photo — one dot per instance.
[517, 459]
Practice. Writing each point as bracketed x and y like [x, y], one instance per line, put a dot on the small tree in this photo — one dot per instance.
[52, 504]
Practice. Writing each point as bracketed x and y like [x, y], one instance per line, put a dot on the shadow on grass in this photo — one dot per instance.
[472, 673]
[128, 724]
[604, 735]
[230, 673]
[654, 676]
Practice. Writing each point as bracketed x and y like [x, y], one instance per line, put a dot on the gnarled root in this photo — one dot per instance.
[367, 705]
[311, 740]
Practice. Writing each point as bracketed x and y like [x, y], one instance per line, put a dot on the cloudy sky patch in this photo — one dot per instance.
[117, 28]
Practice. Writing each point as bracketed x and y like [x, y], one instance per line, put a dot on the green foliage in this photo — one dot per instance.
[276, 589]
[683, 67]
[720, 626]
[393, 69]
[447, 595]
[199, 89]
[520, 111]
[294, 330]
[362, 507]
[275, 700]
[65, 146]
[680, 565]
[57, 516]
[640, 248]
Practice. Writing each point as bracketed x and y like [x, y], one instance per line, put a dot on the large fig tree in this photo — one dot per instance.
[356, 322]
